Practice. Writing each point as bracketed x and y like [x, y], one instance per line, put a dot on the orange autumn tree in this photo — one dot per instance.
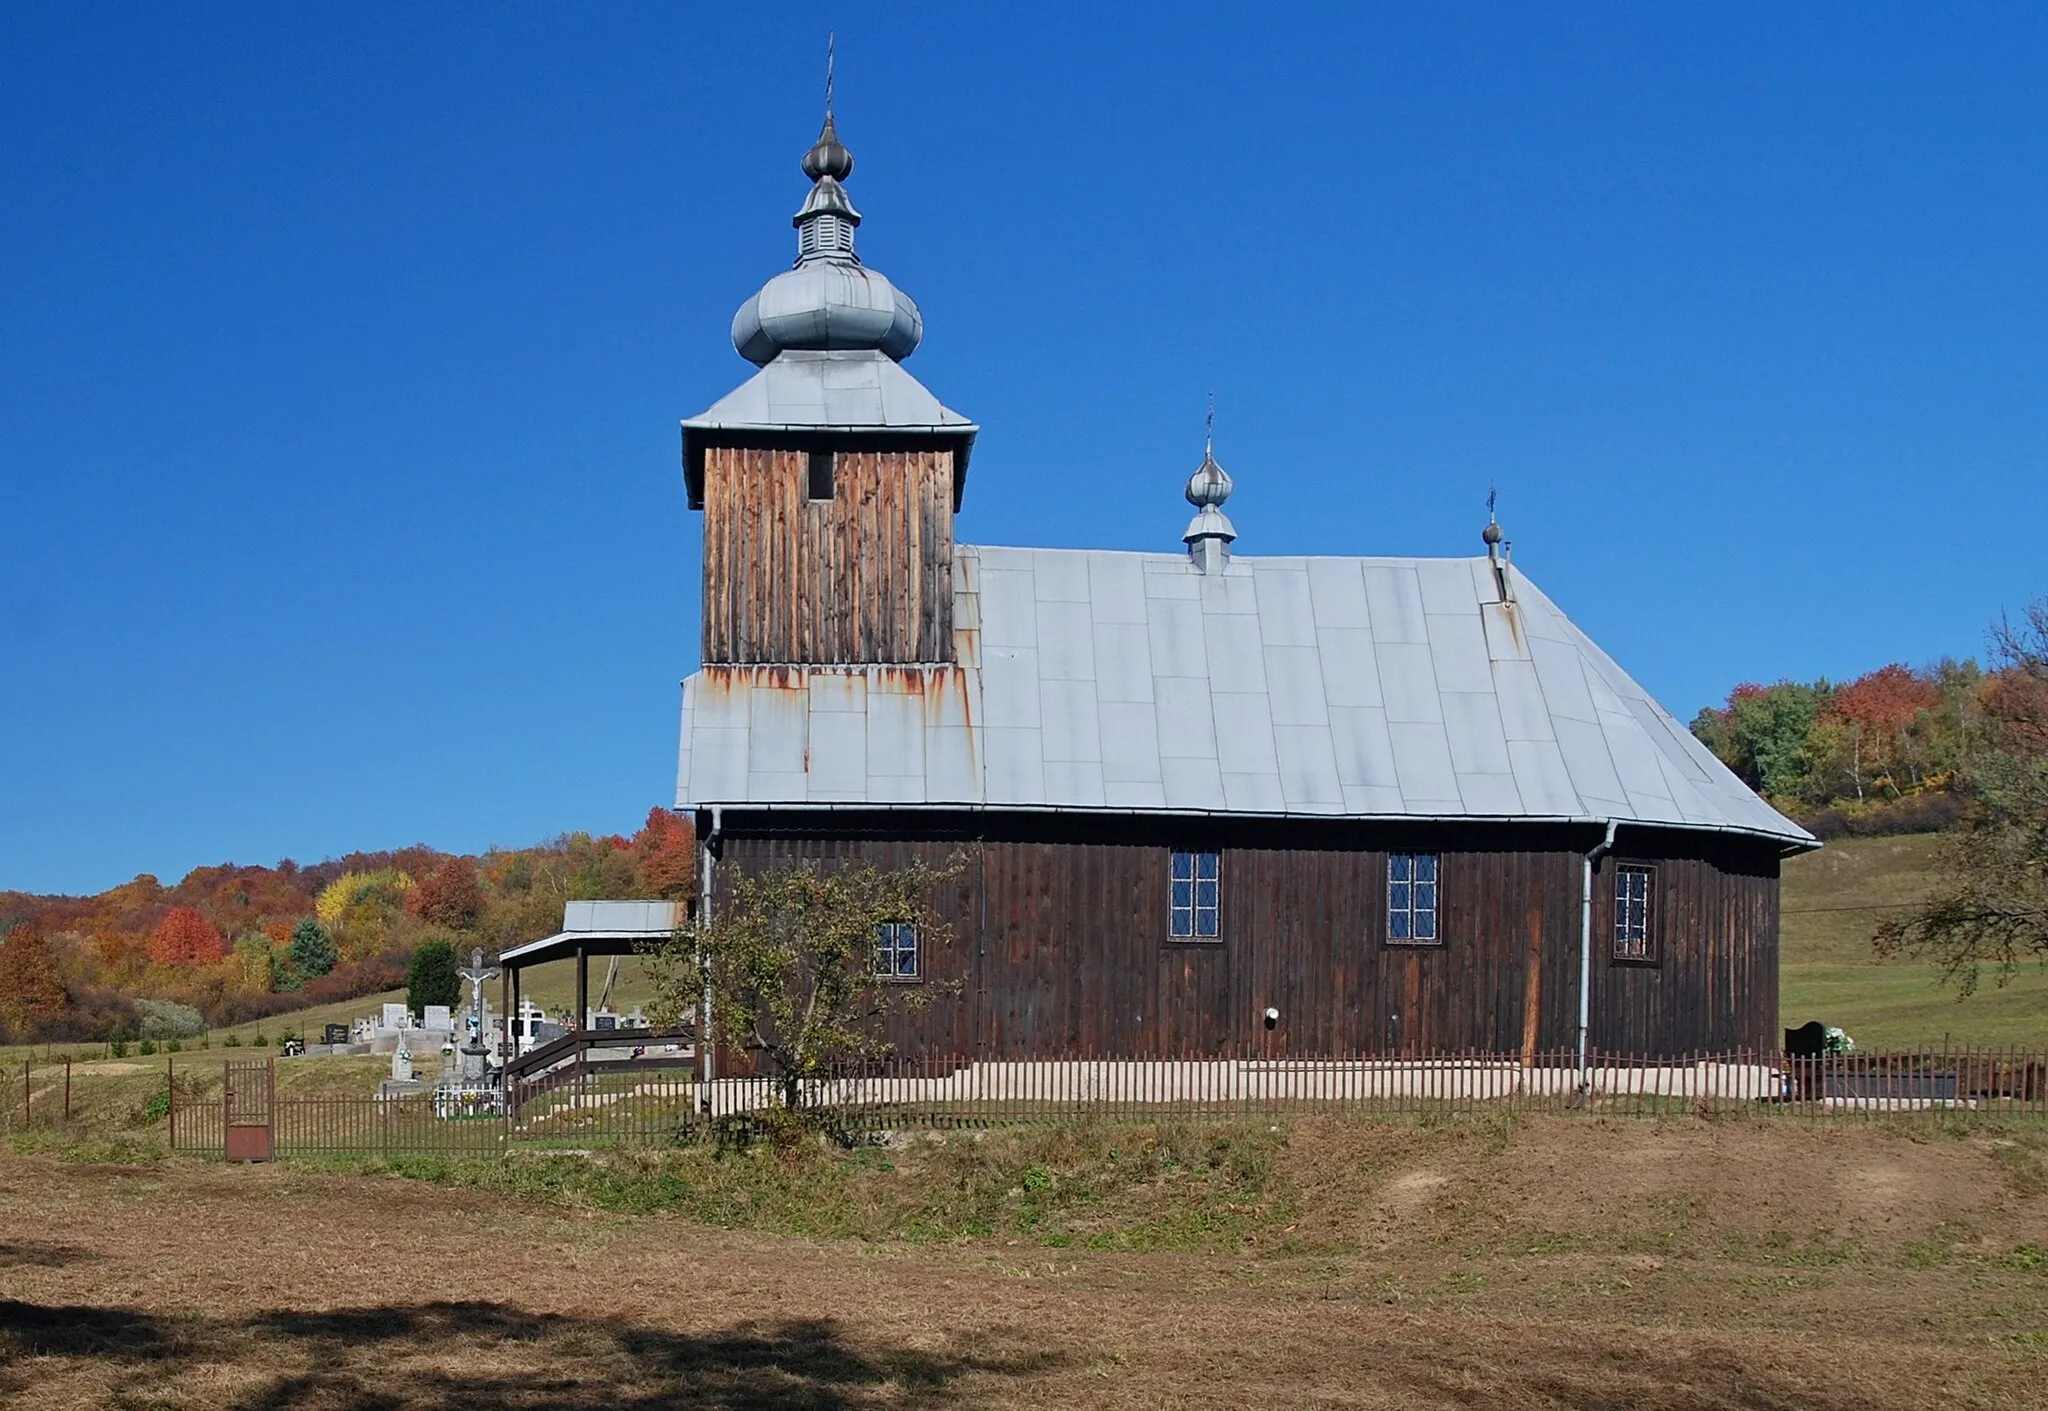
[184, 939]
[451, 895]
[667, 849]
[30, 993]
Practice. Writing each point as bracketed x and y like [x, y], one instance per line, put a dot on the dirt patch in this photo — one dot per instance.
[1507, 1268]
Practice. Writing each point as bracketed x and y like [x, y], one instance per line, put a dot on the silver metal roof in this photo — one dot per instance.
[843, 391]
[1321, 687]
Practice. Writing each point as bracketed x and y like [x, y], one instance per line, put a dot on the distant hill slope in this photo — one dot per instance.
[1832, 901]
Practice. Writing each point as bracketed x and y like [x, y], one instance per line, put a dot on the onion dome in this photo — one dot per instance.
[829, 300]
[1210, 532]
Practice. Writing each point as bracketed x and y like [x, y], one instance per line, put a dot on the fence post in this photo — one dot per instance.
[28, 1112]
[67, 1089]
[171, 1089]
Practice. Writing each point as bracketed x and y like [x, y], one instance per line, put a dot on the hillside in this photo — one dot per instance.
[1832, 901]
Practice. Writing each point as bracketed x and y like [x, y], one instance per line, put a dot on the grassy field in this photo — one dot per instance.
[1832, 901]
[1682, 1266]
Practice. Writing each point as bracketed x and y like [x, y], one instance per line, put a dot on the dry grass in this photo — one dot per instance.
[1543, 1264]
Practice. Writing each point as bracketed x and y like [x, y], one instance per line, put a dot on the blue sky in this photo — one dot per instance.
[342, 351]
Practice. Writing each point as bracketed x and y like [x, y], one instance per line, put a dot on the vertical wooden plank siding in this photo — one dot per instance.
[866, 576]
[1061, 947]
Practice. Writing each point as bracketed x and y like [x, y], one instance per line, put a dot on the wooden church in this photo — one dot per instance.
[1210, 803]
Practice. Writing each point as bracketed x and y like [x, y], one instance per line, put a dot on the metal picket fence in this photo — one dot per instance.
[650, 1109]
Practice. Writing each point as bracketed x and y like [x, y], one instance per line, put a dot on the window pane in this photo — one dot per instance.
[906, 961]
[1183, 867]
[1425, 867]
[1183, 894]
[1207, 866]
[1397, 896]
[1205, 894]
[1183, 921]
[1397, 925]
[1399, 867]
[1425, 896]
[1425, 925]
[1205, 922]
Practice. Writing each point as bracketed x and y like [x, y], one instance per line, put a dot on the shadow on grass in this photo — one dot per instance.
[41, 1254]
[485, 1354]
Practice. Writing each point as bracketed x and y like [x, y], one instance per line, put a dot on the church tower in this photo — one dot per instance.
[829, 479]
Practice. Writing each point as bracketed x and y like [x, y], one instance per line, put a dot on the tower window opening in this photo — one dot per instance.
[820, 475]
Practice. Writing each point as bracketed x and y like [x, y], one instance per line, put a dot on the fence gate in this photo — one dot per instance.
[249, 1108]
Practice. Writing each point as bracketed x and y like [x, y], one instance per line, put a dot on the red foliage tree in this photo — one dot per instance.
[667, 846]
[451, 895]
[185, 938]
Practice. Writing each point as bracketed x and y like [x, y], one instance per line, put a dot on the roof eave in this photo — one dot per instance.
[700, 435]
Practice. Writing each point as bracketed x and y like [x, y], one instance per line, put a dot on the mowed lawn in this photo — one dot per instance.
[1832, 902]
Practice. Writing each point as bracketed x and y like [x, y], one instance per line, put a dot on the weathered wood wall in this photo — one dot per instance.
[866, 576]
[1061, 938]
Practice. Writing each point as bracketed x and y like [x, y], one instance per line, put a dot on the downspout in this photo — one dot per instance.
[707, 1058]
[1600, 850]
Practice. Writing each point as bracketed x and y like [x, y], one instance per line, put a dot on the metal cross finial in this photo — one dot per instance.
[1492, 491]
[1209, 428]
[831, 43]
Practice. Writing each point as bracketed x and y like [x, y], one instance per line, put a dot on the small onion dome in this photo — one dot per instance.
[828, 155]
[1207, 489]
[829, 301]
[1491, 534]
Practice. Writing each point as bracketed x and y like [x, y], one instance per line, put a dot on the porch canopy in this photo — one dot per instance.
[603, 928]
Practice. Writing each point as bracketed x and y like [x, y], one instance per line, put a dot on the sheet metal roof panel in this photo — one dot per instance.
[1184, 709]
[1066, 642]
[1308, 768]
[1069, 723]
[1123, 661]
[1061, 575]
[1237, 661]
[1446, 586]
[838, 756]
[1077, 781]
[1009, 608]
[1013, 766]
[1116, 588]
[1193, 784]
[1337, 593]
[1244, 734]
[1519, 691]
[1179, 646]
[1350, 667]
[1543, 781]
[952, 765]
[1287, 615]
[1422, 762]
[1393, 596]
[1457, 651]
[1294, 684]
[1472, 725]
[895, 735]
[1130, 742]
[1408, 682]
[1364, 750]
[778, 729]
[1009, 687]
[1491, 795]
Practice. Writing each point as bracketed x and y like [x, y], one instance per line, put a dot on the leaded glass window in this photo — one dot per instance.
[1632, 936]
[1412, 899]
[1195, 902]
[896, 950]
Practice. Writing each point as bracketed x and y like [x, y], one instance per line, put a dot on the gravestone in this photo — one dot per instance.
[334, 1034]
[401, 1064]
[438, 1017]
[394, 1017]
